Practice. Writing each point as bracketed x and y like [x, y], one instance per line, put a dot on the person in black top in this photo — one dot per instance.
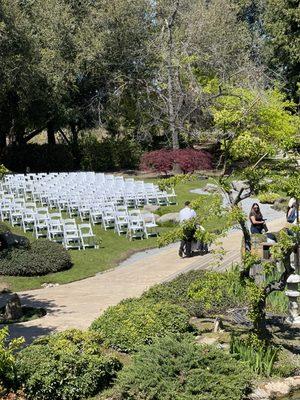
[257, 221]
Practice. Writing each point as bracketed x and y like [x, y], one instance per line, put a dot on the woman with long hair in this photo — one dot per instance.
[257, 221]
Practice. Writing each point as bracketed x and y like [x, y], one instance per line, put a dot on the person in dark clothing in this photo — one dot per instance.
[258, 223]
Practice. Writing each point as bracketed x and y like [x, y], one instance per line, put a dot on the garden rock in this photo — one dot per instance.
[239, 185]
[13, 308]
[170, 217]
[280, 204]
[211, 188]
[276, 389]
[151, 208]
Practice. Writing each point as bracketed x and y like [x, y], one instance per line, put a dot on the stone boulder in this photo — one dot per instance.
[13, 308]
[238, 185]
[170, 217]
[156, 216]
[211, 188]
[151, 208]
[280, 204]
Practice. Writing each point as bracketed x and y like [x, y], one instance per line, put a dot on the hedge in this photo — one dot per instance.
[176, 368]
[69, 366]
[133, 322]
[39, 158]
[42, 257]
[111, 154]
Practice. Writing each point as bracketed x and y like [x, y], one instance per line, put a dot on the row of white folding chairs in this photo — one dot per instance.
[54, 227]
[133, 223]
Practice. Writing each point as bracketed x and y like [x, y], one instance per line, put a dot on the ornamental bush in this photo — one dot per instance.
[218, 291]
[176, 368]
[8, 360]
[41, 258]
[268, 197]
[110, 154]
[70, 365]
[135, 322]
[176, 292]
[189, 160]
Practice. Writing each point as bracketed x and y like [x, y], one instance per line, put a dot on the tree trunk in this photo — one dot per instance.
[171, 81]
[75, 145]
[51, 133]
[2, 141]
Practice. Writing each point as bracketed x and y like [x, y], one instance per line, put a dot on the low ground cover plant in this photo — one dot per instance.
[176, 292]
[41, 258]
[70, 365]
[176, 367]
[135, 322]
[218, 291]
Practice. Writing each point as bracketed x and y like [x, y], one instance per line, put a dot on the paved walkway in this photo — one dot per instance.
[77, 304]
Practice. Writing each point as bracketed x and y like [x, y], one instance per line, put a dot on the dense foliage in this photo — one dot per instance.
[132, 323]
[109, 154]
[115, 66]
[218, 291]
[188, 160]
[39, 158]
[41, 258]
[69, 365]
[8, 370]
[176, 292]
[4, 228]
[177, 368]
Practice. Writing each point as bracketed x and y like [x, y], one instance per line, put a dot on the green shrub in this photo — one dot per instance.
[133, 322]
[111, 154]
[7, 359]
[176, 292]
[39, 158]
[261, 360]
[287, 364]
[4, 228]
[268, 197]
[41, 258]
[176, 368]
[69, 365]
[218, 291]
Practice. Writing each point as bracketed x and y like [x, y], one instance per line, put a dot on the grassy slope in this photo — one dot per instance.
[112, 250]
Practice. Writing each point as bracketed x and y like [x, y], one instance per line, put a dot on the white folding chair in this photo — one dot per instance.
[135, 228]
[96, 215]
[121, 223]
[108, 218]
[87, 236]
[41, 225]
[28, 220]
[55, 230]
[71, 235]
[150, 226]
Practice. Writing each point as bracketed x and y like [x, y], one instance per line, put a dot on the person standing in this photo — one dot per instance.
[257, 221]
[186, 214]
[291, 215]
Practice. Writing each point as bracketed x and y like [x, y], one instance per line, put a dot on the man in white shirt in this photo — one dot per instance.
[184, 215]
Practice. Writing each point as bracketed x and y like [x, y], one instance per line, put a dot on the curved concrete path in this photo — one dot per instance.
[77, 304]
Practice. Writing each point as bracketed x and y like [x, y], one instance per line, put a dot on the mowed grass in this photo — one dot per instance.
[112, 249]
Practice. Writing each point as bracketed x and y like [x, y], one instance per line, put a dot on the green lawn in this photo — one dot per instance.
[112, 250]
